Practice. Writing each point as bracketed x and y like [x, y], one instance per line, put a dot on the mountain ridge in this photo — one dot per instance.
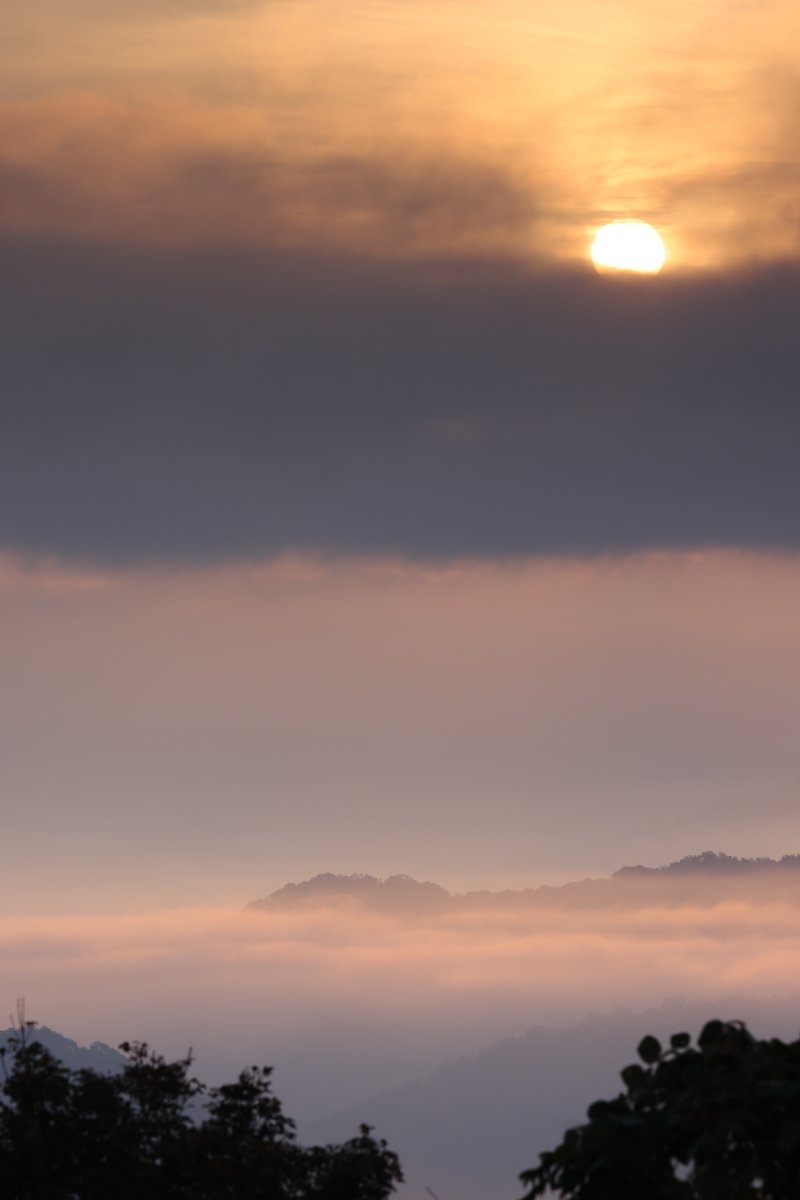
[405, 893]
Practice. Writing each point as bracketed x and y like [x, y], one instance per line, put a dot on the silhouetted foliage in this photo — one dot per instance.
[715, 1121]
[153, 1131]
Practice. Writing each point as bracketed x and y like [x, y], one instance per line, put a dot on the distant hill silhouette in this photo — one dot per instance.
[707, 877]
[97, 1057]
[715, 862]
[398, 891]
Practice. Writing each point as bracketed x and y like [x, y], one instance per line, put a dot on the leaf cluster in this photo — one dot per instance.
[719, 1120]
[154, 1130]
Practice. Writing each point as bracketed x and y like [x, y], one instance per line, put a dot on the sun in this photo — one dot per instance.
[628, 246]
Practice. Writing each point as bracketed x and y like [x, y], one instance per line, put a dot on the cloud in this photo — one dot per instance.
[750, 204]
[211, 403]
[248, 123]
[407, 994]
[169, 169]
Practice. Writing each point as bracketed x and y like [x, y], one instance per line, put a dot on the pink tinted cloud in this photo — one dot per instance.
[230, 982]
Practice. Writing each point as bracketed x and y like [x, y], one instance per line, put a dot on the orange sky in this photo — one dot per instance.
[413, 128]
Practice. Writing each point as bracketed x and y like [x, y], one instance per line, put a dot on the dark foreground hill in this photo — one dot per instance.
[704, 878]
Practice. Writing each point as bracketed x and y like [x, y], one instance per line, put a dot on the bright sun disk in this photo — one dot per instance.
[628, 246]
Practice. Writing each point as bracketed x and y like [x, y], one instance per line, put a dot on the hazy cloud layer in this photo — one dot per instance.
[176, 736]
[346, 1004]
[169, 169]
[314, 275]
[204, 404]
[583, 113]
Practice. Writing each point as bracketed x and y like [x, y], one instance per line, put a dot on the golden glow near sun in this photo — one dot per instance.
[629, 246]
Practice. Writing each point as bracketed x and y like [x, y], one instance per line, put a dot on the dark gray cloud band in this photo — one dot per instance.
[206, 403]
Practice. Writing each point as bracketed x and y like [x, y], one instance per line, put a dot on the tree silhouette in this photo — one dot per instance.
[715, 1121]
[153, 1130]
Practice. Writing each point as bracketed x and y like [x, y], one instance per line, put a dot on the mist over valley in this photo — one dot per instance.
[469, 1028]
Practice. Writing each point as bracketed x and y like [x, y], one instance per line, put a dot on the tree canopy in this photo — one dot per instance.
[153, 1130]
[719, 1120]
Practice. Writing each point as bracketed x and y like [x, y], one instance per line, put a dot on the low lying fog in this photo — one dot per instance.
[345, 1002]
